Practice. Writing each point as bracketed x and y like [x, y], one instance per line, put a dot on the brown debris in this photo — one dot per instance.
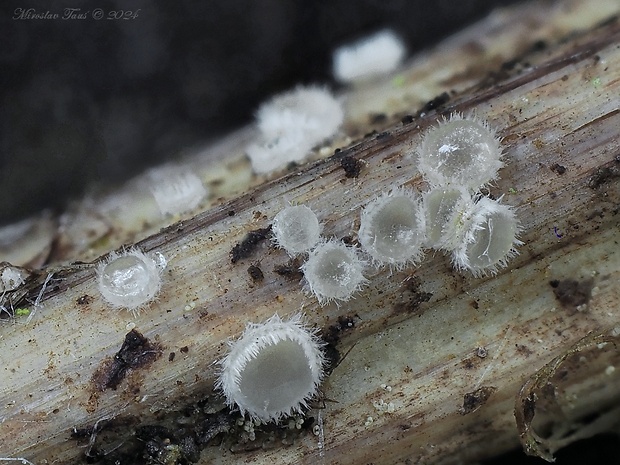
[290, 270]
[256, 273]
[472, 401]
[414, 297]
[247, 246]
[351, 166]
[572, 294]
[135, 353]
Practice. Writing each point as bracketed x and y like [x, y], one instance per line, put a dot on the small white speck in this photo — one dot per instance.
[610, 370]
[130, 326]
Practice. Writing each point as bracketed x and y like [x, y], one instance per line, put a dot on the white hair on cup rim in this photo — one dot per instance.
[374, 55]
[449, 213]
[274, 154]
[333, 272]
[313, 110]
[273, 369]
[130, 279]
[460, 151]
[175, 190]
[491, 239]
[296, 229]
[392, 228]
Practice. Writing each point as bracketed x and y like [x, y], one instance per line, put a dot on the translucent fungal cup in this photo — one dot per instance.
[333, 271]
[460, 152]
[296, 229]
[176, 191]
[273, 369]
[491, 240]
[449, 214]
[392, 229]
[129, 280]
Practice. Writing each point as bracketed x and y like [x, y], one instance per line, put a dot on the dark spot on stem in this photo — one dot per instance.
[247, 246]
[256, 273]
[413, 297]
[137, 352]
[605, 174]
[572, 294]
[435, 103]
[351, 166]
[472, 401]
[290, 270]
[559, 169]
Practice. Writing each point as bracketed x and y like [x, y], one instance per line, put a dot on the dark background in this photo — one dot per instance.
[85, 100]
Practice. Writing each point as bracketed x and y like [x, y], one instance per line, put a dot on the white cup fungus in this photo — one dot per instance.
[130, 279]
[273, 369]
[448, 215]
[460, 151]
[333, 271]
[296, 229]
[392, 229]
[491, 239]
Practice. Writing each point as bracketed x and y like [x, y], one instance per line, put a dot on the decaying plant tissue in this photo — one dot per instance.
[423, 363]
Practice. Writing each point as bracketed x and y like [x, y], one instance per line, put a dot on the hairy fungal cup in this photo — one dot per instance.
[291, 124]
[490, 241]
[273, 369]
[176, 191]
[333, 271]
[380, 53]
[460, 151]
[296, 229]
[313, 110]
[449, 213]
[130, 279]
[274, 154]
[392, 228]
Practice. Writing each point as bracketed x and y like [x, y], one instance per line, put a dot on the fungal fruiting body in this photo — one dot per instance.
[333, 271]
[296, 229]
[130, 279]
[491, 239]
[449, 212]
[312, 110]
[392, 228]
[176, 191]
[460, 151]
[273, 369]
[277, 153]
[291, 124]
[378, 54]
